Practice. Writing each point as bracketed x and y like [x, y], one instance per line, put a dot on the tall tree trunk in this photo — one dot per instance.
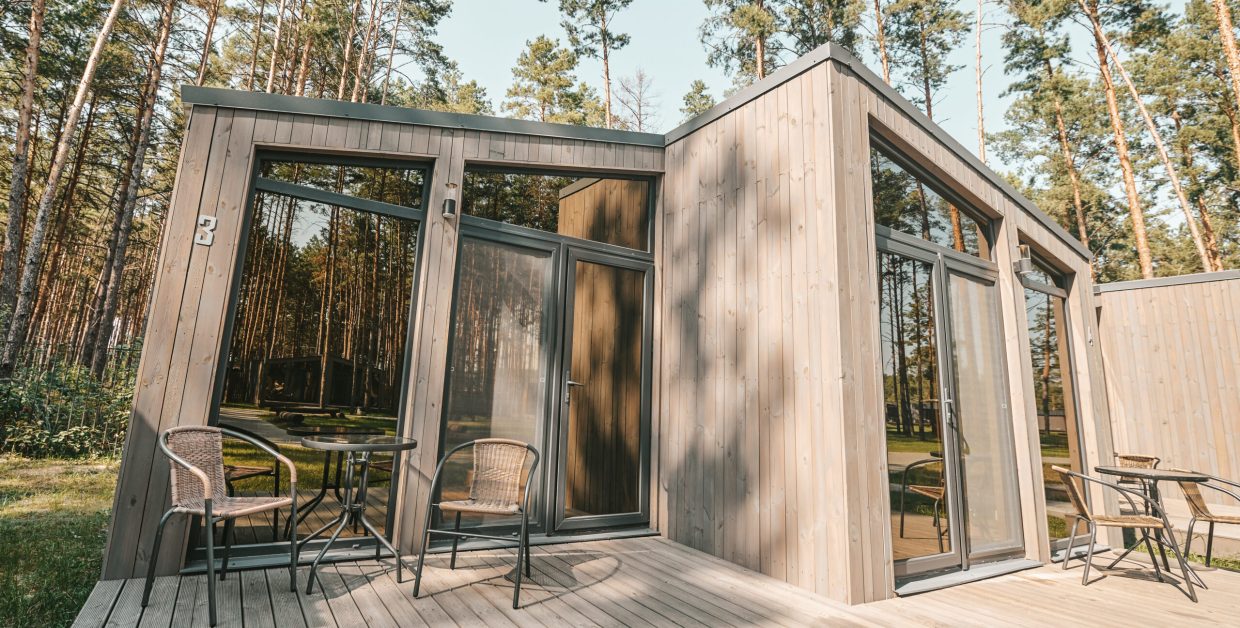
[1065, 147]
[362, 77]
[213, 12]
[880, 38]
[1208, 235]
[21, 164]
[34, 248]
[1139, 236]
[304, 65]
[275, 46]
[1227, 33]
[348, 49]
[387, 75]
[129, 203]
[981, 120]
[258, 38]
[1185, 206]
[606, 47]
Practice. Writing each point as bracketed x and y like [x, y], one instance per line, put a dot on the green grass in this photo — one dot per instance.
[53, 526]
[898, 441]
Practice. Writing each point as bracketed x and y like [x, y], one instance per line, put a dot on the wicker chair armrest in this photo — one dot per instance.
[198, 473]
[267, 447]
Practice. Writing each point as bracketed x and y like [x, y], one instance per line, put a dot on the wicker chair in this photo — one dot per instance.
[1140, 522]
[935, 492]
[495, 488]
[238, 472]
[196, 456]
[1201, 512]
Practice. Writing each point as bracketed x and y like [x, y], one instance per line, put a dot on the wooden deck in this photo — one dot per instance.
[650, 582]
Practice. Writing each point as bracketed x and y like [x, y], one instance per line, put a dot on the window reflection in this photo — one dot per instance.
[905, 203]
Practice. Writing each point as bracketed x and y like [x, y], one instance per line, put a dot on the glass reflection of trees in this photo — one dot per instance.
[904, 203]
[322, 310]
[910, 359]
[397, 186]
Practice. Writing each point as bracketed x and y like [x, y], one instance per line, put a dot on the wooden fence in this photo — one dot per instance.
[1171, 348]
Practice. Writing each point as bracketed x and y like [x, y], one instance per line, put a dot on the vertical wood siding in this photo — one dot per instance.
[1172, 356]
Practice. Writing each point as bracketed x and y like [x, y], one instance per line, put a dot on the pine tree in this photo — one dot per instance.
[544, 87]
[697, 100]
[589, 24]
[736, 35]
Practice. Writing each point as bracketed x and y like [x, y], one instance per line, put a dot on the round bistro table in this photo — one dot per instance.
[1151, 478]
[356, 448]
[327, 482]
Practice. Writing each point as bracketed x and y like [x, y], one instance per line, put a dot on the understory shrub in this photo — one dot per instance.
[62, 410]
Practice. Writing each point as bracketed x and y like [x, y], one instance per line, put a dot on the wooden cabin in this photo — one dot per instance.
[806, 332]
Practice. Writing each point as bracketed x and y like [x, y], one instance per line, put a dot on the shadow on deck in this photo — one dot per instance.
[648, 582]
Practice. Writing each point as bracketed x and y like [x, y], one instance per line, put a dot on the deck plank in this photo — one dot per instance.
[650, 582]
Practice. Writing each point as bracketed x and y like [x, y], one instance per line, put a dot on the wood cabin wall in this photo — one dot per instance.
[187, 321]
[601, 211]
[772, 449]
[1173, 375]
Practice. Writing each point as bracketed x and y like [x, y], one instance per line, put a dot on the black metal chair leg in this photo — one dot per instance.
[1188, 540]
[150, 564]
[938, 524]
[902, 490]
[210, 524]
[229, 537]
[1149, 547]
[525, 541]
[455, 540]
[1209, 545]
[516, 592]
[1188, 576]
[426, 540]
[292, 547]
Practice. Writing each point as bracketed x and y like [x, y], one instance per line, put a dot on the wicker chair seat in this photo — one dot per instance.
[480, 507]
[1129, 521]
[933, 492]
[1213, 518]
[234, 473]
[233, 507]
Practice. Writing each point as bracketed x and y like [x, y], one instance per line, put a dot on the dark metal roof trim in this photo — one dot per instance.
[1226, 275]
[831, 52]
[279, 103]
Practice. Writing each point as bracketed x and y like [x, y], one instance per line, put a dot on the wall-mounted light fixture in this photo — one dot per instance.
[449, 201]
[1024, 264]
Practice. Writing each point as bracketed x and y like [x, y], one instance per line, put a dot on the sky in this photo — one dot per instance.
[486, 36]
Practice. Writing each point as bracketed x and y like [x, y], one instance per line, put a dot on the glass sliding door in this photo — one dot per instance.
[1053, 392]
[980, 414]
[500, 353]
[921, 519]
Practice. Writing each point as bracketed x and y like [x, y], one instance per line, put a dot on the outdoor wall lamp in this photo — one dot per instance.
[449, 201]
[1024, 264]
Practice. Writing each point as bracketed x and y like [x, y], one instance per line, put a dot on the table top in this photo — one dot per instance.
[1170, 475]
[331, 430]
[358, 442]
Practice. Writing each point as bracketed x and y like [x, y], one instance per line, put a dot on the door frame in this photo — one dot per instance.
[577, 253]
[944, 263]
[565, 251]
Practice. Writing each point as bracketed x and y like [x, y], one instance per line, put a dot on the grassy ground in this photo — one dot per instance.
[53, 524]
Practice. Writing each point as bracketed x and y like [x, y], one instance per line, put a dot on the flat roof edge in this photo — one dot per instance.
[1181, 280]
[832, 52]
[280, 103]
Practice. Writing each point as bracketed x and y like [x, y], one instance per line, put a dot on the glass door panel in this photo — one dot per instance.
[499, 357]
[1054, 401]
[603, 396]
[921, 521]
[980, 415]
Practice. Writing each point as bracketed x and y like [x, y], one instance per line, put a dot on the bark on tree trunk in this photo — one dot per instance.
[1185, 207]
[1135, 212]
[981, 121]
[275, 46]
[21, 163]
[880, 37]
[1069, 158]
[348, 49]
[258, 37]
[1227, 34]
[129, 203]
[606, 71]
[34, 248]
[358, 79]
[213, 12]
[387, 75]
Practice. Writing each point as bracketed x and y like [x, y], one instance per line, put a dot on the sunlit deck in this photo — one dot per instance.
[650, 582]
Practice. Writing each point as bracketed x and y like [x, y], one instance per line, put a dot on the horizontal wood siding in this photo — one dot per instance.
[1172, 357]
[190, 301]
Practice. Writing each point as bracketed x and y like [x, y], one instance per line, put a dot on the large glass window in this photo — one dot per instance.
[610, 210]
[1045, 312]
[320, 327]
[908, 203]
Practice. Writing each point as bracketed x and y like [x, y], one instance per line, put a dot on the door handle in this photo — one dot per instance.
[572, 383]
[568, 385]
